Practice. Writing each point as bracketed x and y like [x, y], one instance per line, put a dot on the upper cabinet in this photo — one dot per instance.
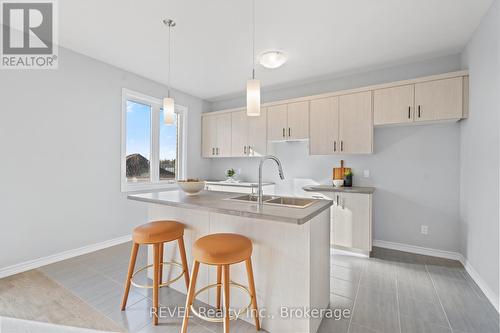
[339, 122]
[356, 123]
[324, 126]
[288, 121]
[393, 105]
[342, 125]
[216, 135]
[440, 99]
[248, 134]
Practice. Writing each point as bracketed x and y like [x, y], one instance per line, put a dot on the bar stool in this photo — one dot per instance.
[222, 250]
[156, 233]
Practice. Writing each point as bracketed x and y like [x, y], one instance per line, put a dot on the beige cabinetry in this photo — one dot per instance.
[288, 121]
[216, 135]
[351, 220]
[425, 101]
[439, 99]
[356, 123]
[394, 105]
[324, 126]
[341, 124]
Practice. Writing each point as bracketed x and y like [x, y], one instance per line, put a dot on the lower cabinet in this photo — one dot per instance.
[351, 220]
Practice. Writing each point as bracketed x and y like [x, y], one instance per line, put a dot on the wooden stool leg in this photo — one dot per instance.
[182, 251]
[251, 285]
[190, 295]
[219, 280]
[131, 266]
[225, 270]
[156, 275]
[161, 262]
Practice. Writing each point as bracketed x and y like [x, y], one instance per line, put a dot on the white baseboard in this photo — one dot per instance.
[35, 263]
[492, 297]
[418, 250]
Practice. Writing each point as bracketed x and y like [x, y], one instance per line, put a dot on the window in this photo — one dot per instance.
[153, 153]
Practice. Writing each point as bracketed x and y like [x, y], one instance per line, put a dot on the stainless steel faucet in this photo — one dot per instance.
[280, 169]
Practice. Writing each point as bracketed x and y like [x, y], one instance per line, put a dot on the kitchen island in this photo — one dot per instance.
[291, 255]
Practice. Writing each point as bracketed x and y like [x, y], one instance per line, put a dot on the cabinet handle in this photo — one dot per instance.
[217, 151]
[244, 150]
[213, 151]
[289, 132]
[334, 145]
[343, 203]
[409, 112]
[283, 132]
[419, 111]
[249, 150]
[341, 145]
[337, 200]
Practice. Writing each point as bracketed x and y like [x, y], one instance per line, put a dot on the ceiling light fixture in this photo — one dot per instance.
[253, 85]
[168, 102]
[272, 59]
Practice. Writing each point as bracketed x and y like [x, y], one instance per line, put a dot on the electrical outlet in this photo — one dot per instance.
[366, 173]
[424, 229]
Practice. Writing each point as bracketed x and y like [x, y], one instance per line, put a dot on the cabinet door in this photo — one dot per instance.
[239, 133]
[352, 221]
[356, 123]
[209, 135]
[257, 134]
[298, 121]
[393, 105]
[276, 122]
[324, 125]
[439, 100]
[223, 135]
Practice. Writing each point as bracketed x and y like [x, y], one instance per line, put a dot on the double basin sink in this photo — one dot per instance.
[276, 201]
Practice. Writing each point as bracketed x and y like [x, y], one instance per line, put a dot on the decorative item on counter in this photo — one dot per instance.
[338, 173]
[230, 175]
[348, 178]
[338, 182]
[191, 186]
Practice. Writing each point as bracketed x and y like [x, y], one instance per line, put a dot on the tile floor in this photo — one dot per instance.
[391, 292]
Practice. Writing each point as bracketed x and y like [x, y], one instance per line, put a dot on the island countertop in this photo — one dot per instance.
[215, 202]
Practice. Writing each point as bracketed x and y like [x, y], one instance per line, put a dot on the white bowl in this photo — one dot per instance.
[191, 188]
[338, 182]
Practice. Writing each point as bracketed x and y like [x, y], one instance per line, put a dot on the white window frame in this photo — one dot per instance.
[181, 160]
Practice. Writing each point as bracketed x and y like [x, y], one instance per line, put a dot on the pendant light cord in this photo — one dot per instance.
[253, 41]
[169, 59]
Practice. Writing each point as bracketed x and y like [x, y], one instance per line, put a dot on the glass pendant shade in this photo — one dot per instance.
[168, 111]
[253, 98]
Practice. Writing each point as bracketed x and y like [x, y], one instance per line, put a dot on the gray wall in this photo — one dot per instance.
[60, 144]
[415, 168]
[479, 151]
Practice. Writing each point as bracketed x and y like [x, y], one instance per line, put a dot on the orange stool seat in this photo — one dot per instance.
[157, 232]
[222, 249]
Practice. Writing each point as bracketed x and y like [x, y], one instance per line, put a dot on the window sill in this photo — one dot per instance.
[145, 187]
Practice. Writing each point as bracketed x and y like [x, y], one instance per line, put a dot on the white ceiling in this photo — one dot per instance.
[212, 39]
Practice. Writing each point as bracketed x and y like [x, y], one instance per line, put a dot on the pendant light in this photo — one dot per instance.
[168, 102]
[253, 85]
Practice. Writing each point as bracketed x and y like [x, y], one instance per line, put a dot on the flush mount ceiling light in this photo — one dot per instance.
[272, 59]
[168, 102]
[253, 85]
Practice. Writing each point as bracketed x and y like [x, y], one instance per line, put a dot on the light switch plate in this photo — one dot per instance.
[366, 173]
